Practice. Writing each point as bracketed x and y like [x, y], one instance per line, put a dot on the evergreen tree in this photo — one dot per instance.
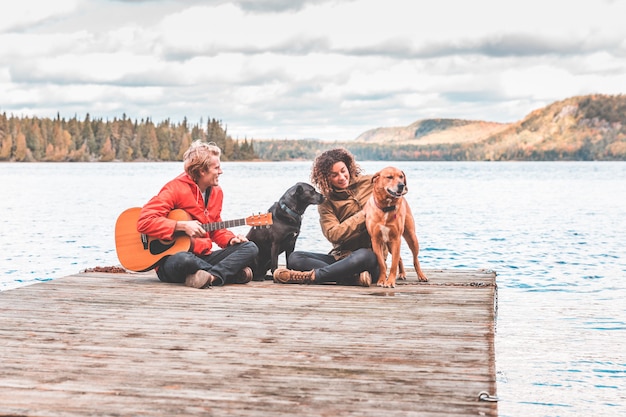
[165, 143]
[35, 140]
[87, 137]
[72, 127]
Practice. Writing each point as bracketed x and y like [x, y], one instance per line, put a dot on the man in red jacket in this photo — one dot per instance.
[197, 192]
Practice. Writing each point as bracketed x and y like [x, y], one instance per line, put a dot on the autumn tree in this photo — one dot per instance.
[107, 154]
[22, 153]
[6, 146]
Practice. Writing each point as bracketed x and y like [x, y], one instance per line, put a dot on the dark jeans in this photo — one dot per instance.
[327, 269]
[223, 264]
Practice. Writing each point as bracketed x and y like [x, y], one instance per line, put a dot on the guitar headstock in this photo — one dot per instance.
[258, 220]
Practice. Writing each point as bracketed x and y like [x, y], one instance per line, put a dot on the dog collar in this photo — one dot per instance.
[384, 209]
[290, 211]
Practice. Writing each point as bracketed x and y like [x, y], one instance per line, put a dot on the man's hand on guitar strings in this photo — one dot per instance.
[192, 228]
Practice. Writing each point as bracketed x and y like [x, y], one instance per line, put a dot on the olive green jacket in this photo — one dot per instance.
[342, 218]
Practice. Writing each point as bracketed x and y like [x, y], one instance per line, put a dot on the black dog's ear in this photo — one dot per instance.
[299, 189]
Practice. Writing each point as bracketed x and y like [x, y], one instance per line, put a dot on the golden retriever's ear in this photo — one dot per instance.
[375, 177]
[406, 187]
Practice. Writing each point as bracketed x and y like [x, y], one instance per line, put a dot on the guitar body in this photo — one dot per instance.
[139, 255]
[139, 252]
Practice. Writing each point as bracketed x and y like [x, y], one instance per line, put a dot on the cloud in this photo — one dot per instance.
[289, 69]
[23, 14]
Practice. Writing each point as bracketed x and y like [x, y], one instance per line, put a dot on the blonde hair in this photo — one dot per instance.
[198, 157]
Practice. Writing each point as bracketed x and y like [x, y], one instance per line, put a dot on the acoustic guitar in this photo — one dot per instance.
[139, 252]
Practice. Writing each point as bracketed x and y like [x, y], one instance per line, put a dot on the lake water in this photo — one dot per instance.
[555, 233]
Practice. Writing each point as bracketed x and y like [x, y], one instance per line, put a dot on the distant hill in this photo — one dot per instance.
[591, 127]
[433, 131]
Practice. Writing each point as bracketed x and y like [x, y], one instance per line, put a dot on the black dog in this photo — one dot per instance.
[282, 234]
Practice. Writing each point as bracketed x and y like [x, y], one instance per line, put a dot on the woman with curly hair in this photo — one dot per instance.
[351, 261]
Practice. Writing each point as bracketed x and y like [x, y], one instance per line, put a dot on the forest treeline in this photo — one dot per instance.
[32, 139]
[585, 128]
[587, 149]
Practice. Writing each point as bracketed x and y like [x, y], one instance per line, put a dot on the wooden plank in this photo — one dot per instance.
[125, 344]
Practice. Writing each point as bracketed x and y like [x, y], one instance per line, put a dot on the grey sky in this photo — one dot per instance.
[289, 69]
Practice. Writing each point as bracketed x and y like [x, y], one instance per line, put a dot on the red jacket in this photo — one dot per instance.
[183, 193]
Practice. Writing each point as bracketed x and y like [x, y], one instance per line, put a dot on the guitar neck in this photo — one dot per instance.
[224, 225]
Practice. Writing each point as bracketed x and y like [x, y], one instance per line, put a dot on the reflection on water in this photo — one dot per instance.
[554, 233]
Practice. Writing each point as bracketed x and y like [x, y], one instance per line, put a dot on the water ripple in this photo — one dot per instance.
[553, 232]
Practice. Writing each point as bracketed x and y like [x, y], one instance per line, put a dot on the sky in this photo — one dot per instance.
[297, 69]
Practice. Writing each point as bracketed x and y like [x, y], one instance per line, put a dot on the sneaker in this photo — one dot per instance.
[365, 279]
[288, 276]
[243, 277]
[201, 279]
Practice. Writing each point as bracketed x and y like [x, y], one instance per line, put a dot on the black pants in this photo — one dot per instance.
[223, 264]
[327, 269]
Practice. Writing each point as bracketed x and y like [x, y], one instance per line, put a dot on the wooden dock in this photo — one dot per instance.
[121, 344]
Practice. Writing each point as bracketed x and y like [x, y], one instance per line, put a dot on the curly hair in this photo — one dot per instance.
[323, 164]
[198, 157]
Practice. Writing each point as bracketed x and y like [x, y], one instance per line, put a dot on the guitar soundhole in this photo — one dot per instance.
[157, 247]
